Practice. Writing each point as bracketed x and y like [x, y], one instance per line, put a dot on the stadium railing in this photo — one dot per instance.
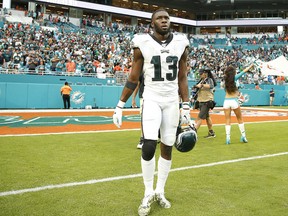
[53, 73]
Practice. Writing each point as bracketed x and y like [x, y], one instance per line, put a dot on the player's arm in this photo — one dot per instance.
[130, 86]
[135, 94]
[132, 82]
[183, 89]
[182, 77]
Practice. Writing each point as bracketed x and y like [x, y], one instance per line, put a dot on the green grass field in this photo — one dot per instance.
[242, 184]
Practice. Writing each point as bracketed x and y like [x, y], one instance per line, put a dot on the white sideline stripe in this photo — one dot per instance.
[64, 110]
[118, 130]
[94, 181]
[112, 110]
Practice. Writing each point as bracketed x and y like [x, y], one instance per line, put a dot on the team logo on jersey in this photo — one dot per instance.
[78, 97]
[165, 51]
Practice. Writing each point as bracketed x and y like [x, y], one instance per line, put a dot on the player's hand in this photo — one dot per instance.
[185, 113]
[117, 116]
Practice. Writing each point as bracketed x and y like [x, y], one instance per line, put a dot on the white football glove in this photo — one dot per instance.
[185, 113]
[117, 116]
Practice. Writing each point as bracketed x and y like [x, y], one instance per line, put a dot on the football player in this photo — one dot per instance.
[162, 58]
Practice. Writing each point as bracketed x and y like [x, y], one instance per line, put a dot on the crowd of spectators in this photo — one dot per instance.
[259, 39]
[218, 59]
[26, 48]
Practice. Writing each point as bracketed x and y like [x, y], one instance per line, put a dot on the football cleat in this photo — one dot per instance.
[186, 138]
[140, 144]
[243, 139]
[145, 206]
[163, 202]
[228, 141]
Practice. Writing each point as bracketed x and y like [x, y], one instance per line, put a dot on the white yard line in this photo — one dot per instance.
[116, 178]
[62, 110]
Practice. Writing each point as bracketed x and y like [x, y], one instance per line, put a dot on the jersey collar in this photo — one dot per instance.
[166, 42]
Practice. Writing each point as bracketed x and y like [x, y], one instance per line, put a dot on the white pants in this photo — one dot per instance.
[163, 115]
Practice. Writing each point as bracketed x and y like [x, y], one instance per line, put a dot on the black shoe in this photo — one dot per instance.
[211, 134]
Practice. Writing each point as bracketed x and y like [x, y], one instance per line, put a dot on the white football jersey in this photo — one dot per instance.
[161, 63]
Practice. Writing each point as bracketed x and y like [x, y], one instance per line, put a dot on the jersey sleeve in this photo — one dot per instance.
[137, 40]
[183, 38]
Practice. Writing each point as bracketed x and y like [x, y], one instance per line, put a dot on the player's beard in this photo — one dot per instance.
[161, 31]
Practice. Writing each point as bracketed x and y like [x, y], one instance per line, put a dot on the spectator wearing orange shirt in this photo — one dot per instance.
[280, 80]
[65, 92]
[70, 66]
[117, 68]
[257, 87]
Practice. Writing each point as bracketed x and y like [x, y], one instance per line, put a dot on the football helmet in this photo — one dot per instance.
[186, 138]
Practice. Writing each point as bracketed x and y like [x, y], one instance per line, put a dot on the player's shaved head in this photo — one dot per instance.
[158, 10]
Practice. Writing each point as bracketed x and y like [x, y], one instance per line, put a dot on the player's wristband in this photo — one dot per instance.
[120, 104]
[131, 85]
[186, 105]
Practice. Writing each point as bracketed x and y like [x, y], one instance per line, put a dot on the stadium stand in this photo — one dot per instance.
[97, 48]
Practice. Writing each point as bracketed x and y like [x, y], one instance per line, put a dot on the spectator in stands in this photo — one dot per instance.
[95, 63]
[33, 63]
[79, 65]
[7, 56]
[54, 62]
[100, 71]
[256, 78]
[41, 67]
[16, 57]
[280, 80]
[70, 67]
[61, 66]
[117, 68]
[257, 87]
[273, 80]
[88, 67]
[2, 60]
[115, 47]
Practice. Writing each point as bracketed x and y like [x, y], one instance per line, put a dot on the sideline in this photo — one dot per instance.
[95, 181]
[125, 109]
[117, 130]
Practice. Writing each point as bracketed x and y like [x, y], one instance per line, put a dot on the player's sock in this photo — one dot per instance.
[164, 167]
[148, 169]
